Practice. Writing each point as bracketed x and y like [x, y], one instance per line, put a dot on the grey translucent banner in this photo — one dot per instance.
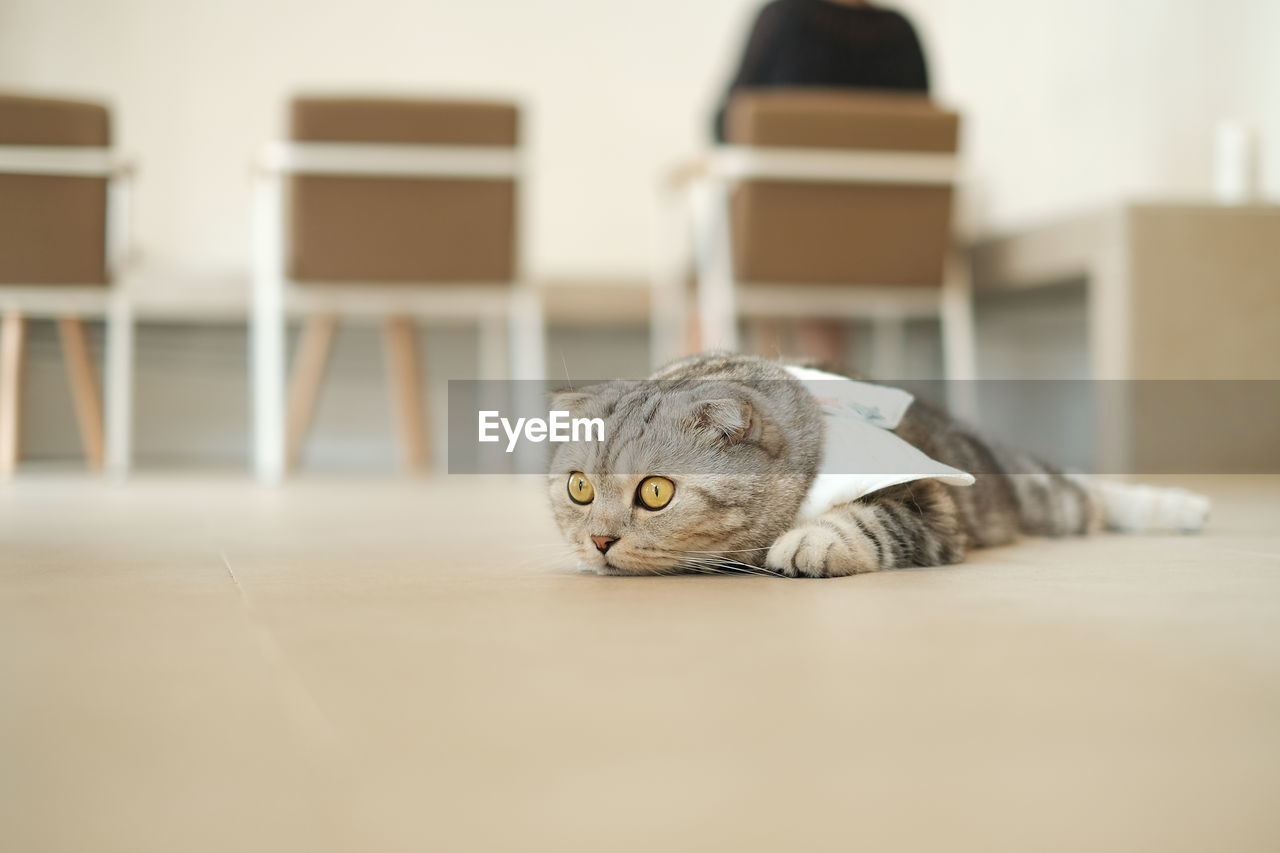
[1090, 426]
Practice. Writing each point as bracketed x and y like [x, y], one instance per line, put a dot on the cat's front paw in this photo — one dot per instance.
[818, 551]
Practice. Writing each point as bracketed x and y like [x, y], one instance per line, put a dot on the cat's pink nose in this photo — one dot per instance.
[603, 543]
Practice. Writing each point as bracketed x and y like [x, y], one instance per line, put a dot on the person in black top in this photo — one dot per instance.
[829, 43]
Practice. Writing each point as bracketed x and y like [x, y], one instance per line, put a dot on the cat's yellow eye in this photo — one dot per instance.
[655, 492]
[580, 489]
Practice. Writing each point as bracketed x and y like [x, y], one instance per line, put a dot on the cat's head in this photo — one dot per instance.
[690, 474]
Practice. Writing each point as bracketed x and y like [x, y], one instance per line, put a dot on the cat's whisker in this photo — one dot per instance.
[717, 560]
[704, 565]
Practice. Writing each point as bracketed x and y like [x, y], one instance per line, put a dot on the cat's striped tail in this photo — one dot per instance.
[1052, 503]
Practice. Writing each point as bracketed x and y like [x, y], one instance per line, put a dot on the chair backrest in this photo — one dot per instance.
[52, 227]
[874, 231]
[402, 228]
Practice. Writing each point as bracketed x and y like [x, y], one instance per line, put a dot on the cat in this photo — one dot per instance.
[713, 466]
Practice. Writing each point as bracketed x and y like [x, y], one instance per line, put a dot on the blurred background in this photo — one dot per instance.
[1065, 110]
[262, 236]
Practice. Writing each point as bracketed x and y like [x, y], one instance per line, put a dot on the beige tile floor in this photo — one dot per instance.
[207, 665]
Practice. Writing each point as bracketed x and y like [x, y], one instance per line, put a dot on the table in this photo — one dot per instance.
[1175, 290]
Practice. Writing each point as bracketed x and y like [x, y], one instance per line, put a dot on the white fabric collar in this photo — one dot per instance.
[861, 454]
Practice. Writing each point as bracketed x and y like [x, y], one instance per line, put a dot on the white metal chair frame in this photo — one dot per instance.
[69, 302]
[702, 207]
[504, 310]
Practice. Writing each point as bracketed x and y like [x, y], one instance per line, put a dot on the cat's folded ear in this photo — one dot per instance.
[571, 400]
[729, 420]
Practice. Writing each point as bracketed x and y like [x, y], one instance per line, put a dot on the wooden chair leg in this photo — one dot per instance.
[309, 366]
[824, 341]
[766, 334]
[693, 334]
[85, 393]
[13, 330]
[406, 391]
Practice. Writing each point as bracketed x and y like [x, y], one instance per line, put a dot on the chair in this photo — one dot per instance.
[827, 204]
[63, 211]
[395, 210]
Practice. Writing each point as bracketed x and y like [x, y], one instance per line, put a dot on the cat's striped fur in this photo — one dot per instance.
[741, 484]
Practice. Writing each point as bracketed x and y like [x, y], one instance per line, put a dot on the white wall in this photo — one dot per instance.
[1070, 105]
[1067, 104]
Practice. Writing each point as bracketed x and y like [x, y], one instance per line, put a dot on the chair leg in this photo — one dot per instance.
[119, 387]
[13, 330]
[267, 330]
[528, 394]
[717, 302]
[766, 334]
[825, 341]
[527, 328]
[693, 334]
[83, 375]
[309, 365]
[406, 391]
[959, 343]
[669, 298]
[493, 348]
[888, 348]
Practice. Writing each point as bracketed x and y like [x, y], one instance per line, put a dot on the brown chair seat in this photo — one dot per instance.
[840, 233]
[52, 227]
[374, 229]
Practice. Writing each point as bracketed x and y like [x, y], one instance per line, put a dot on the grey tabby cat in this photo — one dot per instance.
[706, 470]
